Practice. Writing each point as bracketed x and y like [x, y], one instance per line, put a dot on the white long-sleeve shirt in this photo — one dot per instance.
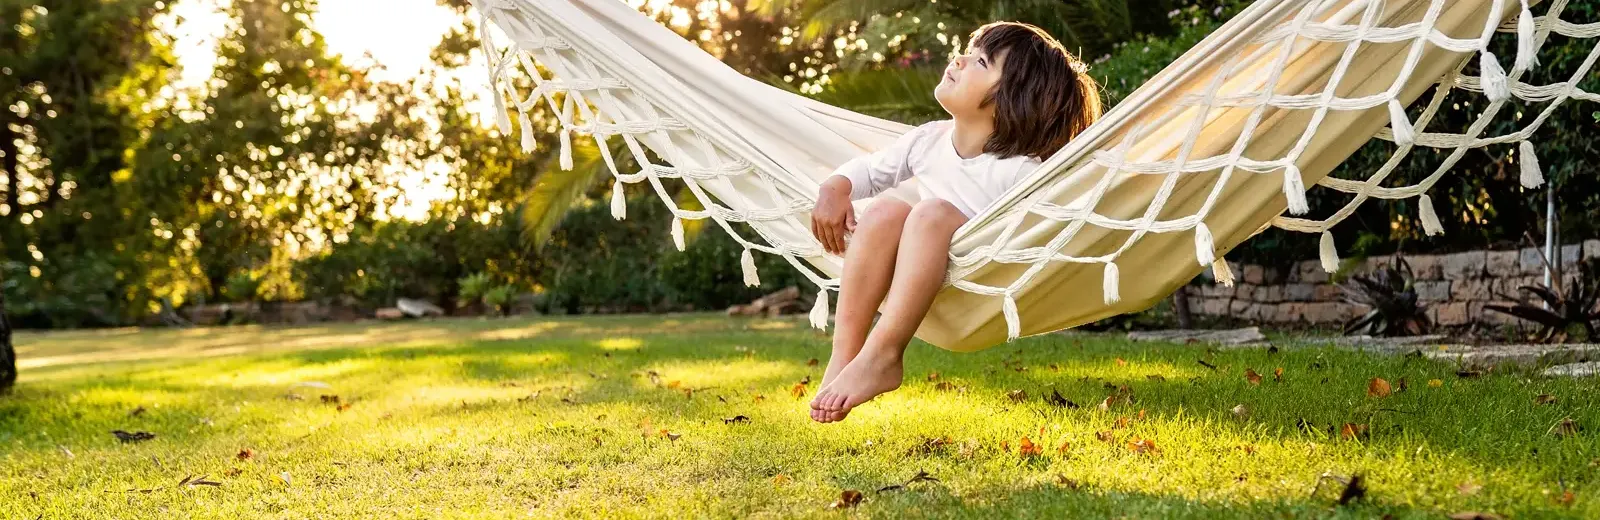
[928, 153]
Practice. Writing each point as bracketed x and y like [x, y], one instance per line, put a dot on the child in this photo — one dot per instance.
[1014, 98]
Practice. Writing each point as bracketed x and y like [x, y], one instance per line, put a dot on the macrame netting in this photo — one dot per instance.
[1209, 152]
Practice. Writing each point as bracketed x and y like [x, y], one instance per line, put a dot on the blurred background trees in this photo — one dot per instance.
[291, 173]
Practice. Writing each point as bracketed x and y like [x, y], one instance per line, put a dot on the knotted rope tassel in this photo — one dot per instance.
[1494, 78]
[819, 312]
[1400, 124]
[1204, 247]
[747, 261]
[1013, 320]
[1330, 256]
[1527, 54]
[1430, 220]
[1294, 189]
[1532, 176]
[677, 233]
[619, 201]
[1111, 286]
[1223, 273]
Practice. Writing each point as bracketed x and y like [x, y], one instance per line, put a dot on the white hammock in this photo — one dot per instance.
[1207, 153]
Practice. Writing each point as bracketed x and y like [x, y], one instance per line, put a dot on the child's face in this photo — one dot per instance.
[967, 80]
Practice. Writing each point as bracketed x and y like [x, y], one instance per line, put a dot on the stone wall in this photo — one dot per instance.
[1454, 287]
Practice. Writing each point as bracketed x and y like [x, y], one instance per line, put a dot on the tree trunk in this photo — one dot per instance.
[8, 356]
[1180, 306]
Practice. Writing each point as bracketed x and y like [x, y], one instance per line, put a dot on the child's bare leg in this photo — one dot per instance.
[868, 266]
[918, 274]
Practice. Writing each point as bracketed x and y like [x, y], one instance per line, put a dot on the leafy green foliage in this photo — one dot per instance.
[1565, 310]
[1389, 293]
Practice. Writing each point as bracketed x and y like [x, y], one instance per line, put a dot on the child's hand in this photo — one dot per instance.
[833, 216]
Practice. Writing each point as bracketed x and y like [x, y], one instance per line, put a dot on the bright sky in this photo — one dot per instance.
[397, 34]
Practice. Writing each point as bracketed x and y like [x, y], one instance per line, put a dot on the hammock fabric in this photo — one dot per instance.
[1209, 152]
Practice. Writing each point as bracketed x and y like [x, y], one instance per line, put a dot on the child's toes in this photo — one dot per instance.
[835, 402]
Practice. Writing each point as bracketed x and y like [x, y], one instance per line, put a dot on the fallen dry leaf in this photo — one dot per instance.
[1122, 362]
[1469, 488]
[798, 390]
[847, 499]
[1353, 431]
[1027, 448]
[1055, 399]
[944, 386]
[330, 399]
[136, 412]
[1378, 387]
[344, 406]
[1565, 498]
[811, 362]
[1277, 375]
[132, 436]
[1066, 482]
[1435, 383]
[1138, 445]
[1544, 399]
[1155, 377]
[1249, 449]
[232, 472]
[285, 478]
[1065, 447]
[1017, 396]
[1241, 412]
[929, 446]
[735, 419]
[1251, 376]
[674, 384]
[1122, 422]
[758, 398]
[780, 479]
[245, 454]
[1106, 436]
[933, 376]
[1565, 428]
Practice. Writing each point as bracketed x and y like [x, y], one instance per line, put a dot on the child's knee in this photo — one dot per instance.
[936, 214]
[886, 212]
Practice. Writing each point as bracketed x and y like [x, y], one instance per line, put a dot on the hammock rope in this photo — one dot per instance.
[1299, 82]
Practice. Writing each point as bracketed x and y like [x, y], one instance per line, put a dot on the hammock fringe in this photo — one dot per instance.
[1294, 189]
[1204, 247]
[1112, 284]
[677, 233]
[1223, 273]
[1494, 78]
[1527, 54]
[1330, 256]
[1013, 321]
[619, 201]
[1532, 175]
[1430, 220]
[1400, 124]
[747, 262]
[819, 312]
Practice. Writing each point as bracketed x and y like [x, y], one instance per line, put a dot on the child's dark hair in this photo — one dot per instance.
[1045, 96]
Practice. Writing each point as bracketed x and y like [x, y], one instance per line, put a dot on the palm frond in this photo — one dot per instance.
[904, 95]
[556, 190]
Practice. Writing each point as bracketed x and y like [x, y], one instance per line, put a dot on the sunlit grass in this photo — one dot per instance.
[577, 417]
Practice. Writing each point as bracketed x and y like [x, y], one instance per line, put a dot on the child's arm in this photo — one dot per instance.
[862, 177]
[873, 173]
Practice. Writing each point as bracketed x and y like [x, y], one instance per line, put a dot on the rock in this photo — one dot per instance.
[1460, 266]
[1424, 267]
[418, 308]
[1573, 370]
[1504, 263]
[1487, 356]
[1433, 291]
[785, 300]
[390, 313]
[1244, 336]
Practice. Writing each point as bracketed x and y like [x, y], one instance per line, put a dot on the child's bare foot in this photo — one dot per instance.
[836, 363]
[871, 374]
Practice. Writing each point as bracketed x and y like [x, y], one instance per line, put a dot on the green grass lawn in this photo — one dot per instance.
[641, 417]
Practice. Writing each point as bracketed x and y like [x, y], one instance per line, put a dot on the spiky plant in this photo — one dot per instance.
[1390, 294]
[1561, 309]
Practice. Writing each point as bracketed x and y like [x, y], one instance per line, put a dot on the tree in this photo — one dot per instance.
[8, 355]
